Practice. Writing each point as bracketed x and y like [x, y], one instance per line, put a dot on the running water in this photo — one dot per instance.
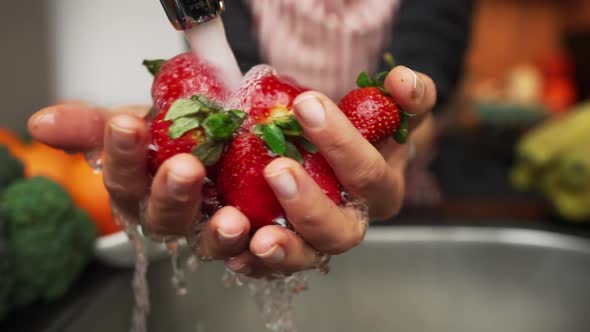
[209, 42]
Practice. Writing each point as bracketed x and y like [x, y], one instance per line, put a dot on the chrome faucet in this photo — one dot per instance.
[185, 14]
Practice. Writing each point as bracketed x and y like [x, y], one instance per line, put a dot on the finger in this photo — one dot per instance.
[326, 226]
[225, 235]
[414, 92]
[124, 173]
[175, 196]
[71, 127]
[281, 250]
[75, 126]
[359, 166]
[249, 265]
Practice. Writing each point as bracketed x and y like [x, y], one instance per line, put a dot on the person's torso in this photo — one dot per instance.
[323, 44]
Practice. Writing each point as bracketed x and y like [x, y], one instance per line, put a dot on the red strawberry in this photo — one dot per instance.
[270, 98]
[183, 76]
[372, 111]
[241, 181]
[195, 125]
[316, 165]
[188, 119]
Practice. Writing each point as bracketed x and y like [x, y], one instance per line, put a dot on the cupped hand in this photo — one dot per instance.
[372, 175]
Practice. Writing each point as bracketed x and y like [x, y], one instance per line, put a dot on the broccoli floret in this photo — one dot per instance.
[51, 239]
[11, 168]
[6, 275]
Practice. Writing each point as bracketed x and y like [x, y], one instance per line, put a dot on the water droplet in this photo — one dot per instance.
[94, 160]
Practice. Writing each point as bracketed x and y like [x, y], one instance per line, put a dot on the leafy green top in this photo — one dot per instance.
[200, 112]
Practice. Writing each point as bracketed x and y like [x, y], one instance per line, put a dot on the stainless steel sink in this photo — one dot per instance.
[410, 279]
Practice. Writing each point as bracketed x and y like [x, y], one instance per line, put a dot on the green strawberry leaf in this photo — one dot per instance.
[364, 80]
[238, 114]
[274, 138]
[207, 103]
[307, 145]
[258, 130]
[153, 66]
[183, 108]
[292, 152]
[289, 125]
[237, 117]
[209, 152]
[219, 127]
[181, 126]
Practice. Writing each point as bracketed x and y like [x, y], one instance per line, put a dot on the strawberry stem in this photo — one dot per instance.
[402, 132]
[389, 60]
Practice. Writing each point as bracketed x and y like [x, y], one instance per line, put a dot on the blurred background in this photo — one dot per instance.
[512, 146]
[526, 65]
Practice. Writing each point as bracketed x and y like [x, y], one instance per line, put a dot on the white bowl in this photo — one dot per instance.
[116, 250]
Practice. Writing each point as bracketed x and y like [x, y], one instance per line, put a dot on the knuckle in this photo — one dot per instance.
[346, 242]
[118, 191]
[337, 143]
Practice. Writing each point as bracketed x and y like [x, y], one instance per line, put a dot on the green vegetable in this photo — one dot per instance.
[50, 237]
[6, 275]
[11, 168]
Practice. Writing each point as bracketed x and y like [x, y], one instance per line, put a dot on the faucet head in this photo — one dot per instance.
[185, 14]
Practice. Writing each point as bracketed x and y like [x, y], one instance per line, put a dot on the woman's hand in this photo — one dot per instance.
[371, 175]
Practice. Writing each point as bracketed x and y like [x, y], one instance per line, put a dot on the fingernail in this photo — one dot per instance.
[180, 182]
[283, 183]
[274, 255]
[418, 85]
[123, 135]
[237, 266]
[310, 111]
[229, 232]
[43, 119]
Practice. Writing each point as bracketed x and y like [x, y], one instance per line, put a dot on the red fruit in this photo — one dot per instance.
[183, 76]
[319, 169]
[270, 97]
[373, 113]
[182, 127]
[164, 147]
[241, 181]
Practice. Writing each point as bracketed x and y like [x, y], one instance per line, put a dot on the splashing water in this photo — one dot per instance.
[140, 284]
[274, 297]
[178, 273]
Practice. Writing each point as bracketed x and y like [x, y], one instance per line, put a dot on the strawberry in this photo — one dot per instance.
[373, 112]
[195, 125]
[241, 181]
[183, 76]
[269, 99]
[318, 168]
[186, 115]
